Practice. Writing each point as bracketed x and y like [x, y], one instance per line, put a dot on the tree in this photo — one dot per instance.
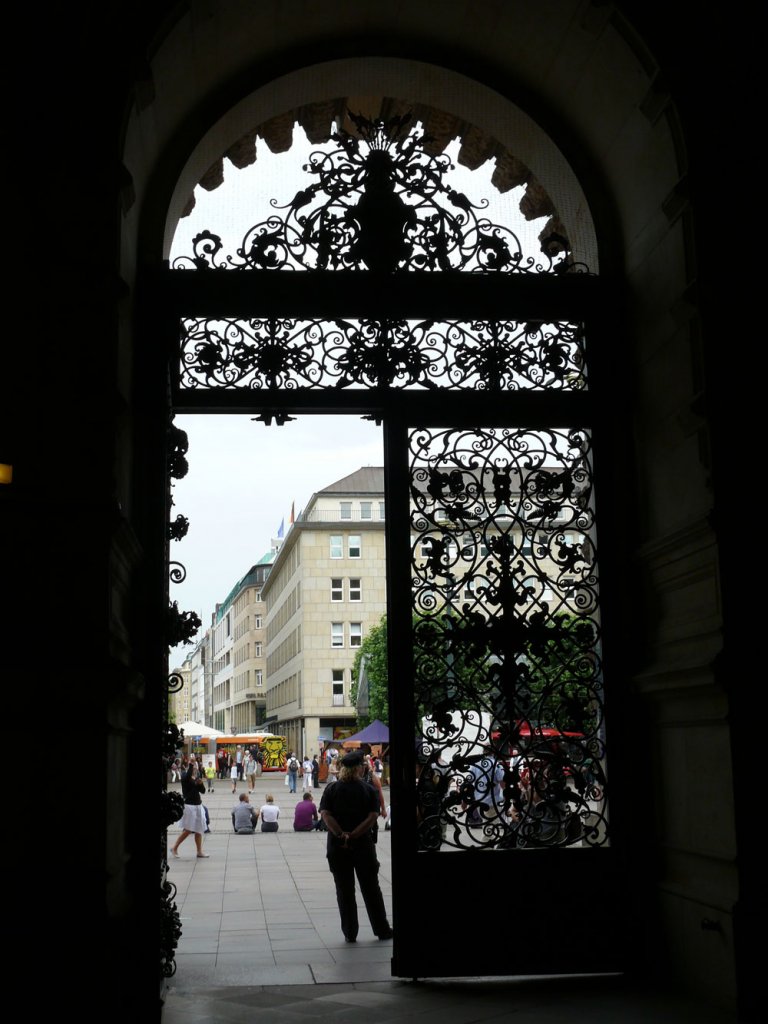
[373, 654]
[543, 669]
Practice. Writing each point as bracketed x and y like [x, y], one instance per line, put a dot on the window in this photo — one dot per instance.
[381, 510]
[338, 686]
[345, 510]
[337, 590]
[355, 545]
[355, 590]
[337, 634]
[355, 634]
[258, 650]
[337, 545]
[257, 622]
[366, 509]
[259, 677]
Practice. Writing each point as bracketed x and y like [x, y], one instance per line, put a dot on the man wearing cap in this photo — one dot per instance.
[349, 810]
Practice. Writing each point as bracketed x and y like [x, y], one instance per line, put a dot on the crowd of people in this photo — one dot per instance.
[351, 805]
[198, 776]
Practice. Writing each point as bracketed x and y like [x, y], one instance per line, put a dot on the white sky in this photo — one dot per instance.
[243, 476]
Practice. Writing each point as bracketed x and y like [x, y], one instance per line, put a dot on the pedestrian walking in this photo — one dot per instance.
[306, 773]
[193, 820]
[251, 766]
[293, 772]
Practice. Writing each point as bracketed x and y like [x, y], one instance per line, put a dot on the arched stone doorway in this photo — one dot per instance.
[607, 98]
[504, 318]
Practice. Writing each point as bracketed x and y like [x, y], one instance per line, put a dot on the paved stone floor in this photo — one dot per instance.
[261, 933]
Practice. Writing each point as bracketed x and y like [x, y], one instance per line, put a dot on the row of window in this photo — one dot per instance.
[353, 634]
[354, 545]
[366, 509]
[354, 590]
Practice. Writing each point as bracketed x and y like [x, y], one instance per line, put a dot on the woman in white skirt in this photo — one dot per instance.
[193, 819]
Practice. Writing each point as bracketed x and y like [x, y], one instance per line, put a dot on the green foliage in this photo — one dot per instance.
[560, 684]
[374, 650]
[541, 669]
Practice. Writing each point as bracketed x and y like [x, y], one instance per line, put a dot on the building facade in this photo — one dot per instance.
[237, 640]
[326, 589]
[180, 698]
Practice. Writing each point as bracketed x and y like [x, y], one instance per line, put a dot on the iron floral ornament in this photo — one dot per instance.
[379, 201]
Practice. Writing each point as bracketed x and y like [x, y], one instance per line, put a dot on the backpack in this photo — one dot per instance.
[294, 765]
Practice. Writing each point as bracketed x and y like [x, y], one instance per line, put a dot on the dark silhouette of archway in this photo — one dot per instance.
[78, 509]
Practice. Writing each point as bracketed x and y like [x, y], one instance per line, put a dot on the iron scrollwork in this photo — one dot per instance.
[181, 627]
[176, 572]
[380, 201]
[506, 640]
[170, 929]
[179, 528]
[481, 355]
[178, 446]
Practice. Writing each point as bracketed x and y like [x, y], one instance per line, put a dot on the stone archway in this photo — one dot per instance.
[602, 88]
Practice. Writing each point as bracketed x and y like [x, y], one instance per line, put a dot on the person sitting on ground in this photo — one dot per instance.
[270, 812]
[305, 817]
[244, 817]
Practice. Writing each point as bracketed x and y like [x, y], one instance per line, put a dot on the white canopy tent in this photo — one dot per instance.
[193, 729]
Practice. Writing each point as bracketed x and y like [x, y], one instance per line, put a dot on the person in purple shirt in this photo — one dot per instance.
[305, 817]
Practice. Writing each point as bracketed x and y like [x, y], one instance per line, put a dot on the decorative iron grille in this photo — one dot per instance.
[506, 635]
[476, 355]
[379, 201]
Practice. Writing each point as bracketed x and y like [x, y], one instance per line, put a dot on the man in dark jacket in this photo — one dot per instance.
[349, 810]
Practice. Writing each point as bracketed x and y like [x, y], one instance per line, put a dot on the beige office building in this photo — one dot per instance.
[326, 589]
[239, 654]
[179, 698]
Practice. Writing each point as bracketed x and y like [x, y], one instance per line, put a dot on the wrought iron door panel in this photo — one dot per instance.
[510, 805]
[506, 640]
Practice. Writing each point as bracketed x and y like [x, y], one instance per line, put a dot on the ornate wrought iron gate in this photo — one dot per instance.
[381, 291]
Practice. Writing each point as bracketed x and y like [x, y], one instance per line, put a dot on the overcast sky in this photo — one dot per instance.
[243, 477]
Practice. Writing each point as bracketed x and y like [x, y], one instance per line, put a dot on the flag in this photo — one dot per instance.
[291, 521]
[280, 528]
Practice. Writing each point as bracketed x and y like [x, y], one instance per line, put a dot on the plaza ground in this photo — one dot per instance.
[261, 934]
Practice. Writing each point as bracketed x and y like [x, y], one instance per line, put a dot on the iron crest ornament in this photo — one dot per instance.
[380, 201]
